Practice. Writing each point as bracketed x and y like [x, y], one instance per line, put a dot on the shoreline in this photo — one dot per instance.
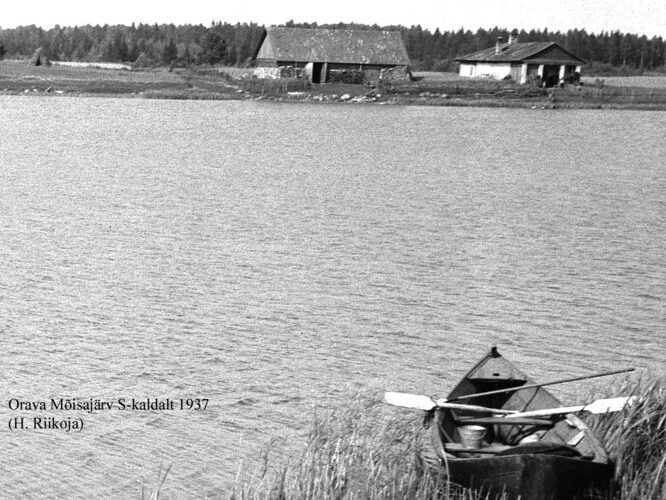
[456, 102]
[20, 78]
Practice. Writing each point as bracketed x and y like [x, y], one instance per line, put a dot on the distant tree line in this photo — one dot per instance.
[143, 44]
[234, 44]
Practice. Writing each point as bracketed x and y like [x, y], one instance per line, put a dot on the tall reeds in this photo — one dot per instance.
[636, 440]
[371, 451]
[364, 450]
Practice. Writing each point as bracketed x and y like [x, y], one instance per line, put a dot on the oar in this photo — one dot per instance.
[505, 420]
[425, 403]
[596, 407]
[534, 386]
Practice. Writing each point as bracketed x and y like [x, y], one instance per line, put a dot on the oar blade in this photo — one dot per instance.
[610, 405]
[409, 400]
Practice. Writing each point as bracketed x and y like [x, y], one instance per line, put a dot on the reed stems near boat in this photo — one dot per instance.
[366, 450]
[636, 440]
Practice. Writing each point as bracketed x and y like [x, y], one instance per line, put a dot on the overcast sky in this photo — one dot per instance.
[638, 16]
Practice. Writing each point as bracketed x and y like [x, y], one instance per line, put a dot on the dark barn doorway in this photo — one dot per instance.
[317, 76]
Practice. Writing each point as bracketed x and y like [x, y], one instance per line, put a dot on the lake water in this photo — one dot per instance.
[277, 258]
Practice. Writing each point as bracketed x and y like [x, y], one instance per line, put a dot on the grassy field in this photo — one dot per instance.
[645, 82]
[436, 76]
[18, 77]
[430, 89]
[21, 70]
[371, 451]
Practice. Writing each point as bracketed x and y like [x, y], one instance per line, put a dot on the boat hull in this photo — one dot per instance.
[533, 477]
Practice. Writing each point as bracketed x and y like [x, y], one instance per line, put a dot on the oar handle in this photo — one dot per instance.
[534, 386]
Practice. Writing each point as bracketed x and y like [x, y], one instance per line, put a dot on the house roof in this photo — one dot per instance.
[334, 46]
[536, 52]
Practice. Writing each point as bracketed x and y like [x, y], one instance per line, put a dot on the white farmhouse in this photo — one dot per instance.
[544, 62]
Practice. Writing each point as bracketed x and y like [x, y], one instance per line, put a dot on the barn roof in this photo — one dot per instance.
[334, 46]
[537, 52]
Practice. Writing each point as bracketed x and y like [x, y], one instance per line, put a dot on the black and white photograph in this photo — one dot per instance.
[341, 250]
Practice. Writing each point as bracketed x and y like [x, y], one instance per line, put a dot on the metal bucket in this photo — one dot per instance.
[472, 436]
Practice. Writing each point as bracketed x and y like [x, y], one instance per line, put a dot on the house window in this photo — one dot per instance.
[471, 71]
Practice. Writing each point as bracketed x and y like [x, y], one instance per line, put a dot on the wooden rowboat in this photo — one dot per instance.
[532, 458]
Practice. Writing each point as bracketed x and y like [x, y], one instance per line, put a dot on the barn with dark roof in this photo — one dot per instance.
[543, 62]
[327, 54]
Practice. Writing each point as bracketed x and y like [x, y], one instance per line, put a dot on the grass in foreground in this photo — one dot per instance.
[370, 451]
[355, 452]
[636, 441]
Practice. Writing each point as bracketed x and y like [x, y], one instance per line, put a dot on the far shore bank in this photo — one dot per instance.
[429, 89]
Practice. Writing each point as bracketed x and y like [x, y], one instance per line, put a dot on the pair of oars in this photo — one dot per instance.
[596, 407]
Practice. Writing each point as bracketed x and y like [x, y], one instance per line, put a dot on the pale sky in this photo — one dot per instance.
[629, 16]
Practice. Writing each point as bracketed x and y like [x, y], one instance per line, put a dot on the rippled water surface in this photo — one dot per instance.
[276, 258]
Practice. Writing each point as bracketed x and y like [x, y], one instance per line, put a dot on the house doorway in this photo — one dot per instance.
[551, 75]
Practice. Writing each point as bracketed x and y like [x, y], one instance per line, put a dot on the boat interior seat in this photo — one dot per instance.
[497, 370]
[544, 448]
[498, 378]
[491, 384]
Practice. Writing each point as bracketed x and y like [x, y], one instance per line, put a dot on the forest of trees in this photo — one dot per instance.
[234, 45]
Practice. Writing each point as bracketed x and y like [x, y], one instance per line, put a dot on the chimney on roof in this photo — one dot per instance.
[498, 45]
[513, 37]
